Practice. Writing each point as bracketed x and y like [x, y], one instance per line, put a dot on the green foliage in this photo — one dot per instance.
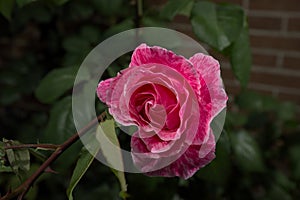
[240, 56]
[60, 81]
[60, 126]
[204, 19]
[6, 7]
[19, 159]
[108, 7]
[294, 154]
[85, 160]
[247, 153]
[220, 170]
[110, 148]
[44, 42]
[60, 2]
[224, 27]
[105, 129]
[22, 3]
[173, 7]
[3, 167]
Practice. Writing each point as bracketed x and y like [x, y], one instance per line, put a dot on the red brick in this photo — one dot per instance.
[294, 24]
[235, 90]
[260, 91]
[275, 79]
[184, 28]
[232, 90]
[266, 23]
[229, 1]
[279, 5]
[291, 62]
[265, 78]
[227, 74]
[275, 42]
[289, 97]
[264, 60]
[181, 19]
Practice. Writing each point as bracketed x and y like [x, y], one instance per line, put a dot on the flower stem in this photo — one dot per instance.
[139, 13]
[24, 187]
[24, 146]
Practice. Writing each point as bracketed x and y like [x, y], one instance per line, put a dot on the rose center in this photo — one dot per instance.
[152, 106]
[157, 116]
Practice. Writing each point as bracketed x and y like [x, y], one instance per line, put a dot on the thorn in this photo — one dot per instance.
[49, 170]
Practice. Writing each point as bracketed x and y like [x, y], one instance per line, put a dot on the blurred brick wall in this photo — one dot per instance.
[275, 42]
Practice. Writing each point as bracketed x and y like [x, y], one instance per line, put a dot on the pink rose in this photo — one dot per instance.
[172, 100]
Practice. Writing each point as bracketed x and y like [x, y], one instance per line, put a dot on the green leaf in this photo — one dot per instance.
[105, 132]
[108, 7]
[12, 160]
[117, 28]
[38, 155]
[22, 3]
[60, 126]
[278, 193]
[240, 56]
[219, 25]
[80, 10]
[110, 148]
[247, 152]
[236, 119]
[76, 44]
[253, 101]
[85, 160]
[286, 111]
[153, 22]
[230, 19]
[205, 25]
[5, 168]
[6, 7]
[2, 149]
[219, 170]
[294, 155]
[60, 2]
[173, 7]
[283, 181]
[19, 159]
[90, 33]
[186, 11]
[23, 158]
[55, 84]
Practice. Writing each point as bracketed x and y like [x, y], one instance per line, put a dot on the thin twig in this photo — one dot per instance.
[24, 146]
[23, 188]
[138, 13]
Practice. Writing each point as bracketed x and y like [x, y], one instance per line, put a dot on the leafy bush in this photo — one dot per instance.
[43, 44]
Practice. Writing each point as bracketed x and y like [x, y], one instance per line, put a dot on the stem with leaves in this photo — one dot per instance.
[59, 149]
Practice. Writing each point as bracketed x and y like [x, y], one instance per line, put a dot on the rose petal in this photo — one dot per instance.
[155, 145]
[209, 69]
[144, 54]
[103, 90]
[147, 161]
[205, 114]
[195, 157]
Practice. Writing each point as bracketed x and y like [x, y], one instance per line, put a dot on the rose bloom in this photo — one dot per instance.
[172, 100]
